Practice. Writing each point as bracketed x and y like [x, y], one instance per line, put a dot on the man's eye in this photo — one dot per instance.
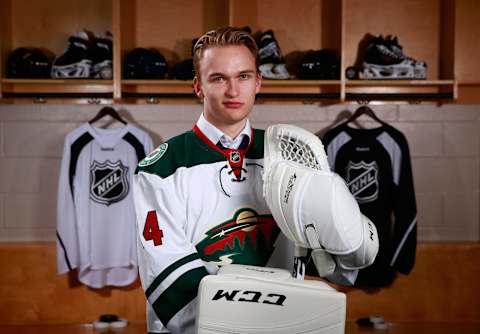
[218, 79]
[244, 76]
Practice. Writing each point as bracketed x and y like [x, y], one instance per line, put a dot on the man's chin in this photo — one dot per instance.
[237, 114]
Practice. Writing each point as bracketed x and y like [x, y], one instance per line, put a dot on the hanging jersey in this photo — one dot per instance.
[200, 207]
[375, 163]
[95, 211]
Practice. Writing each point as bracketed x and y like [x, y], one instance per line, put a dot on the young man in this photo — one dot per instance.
[198, 196]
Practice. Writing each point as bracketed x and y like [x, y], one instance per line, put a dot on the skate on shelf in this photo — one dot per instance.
[383, 59]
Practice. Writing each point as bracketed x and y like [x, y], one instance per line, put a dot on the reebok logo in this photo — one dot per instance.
[291, 183]
[370, 229]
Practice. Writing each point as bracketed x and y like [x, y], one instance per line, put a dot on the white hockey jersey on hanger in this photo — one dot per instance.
[95, 210]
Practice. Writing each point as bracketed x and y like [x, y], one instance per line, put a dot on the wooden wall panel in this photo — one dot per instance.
[467, 41]
[31, 292]
[416, 23]
[48, 25]
[170, 26]
[5, 38]
[299, 32]
[447, 39]
[442, 287]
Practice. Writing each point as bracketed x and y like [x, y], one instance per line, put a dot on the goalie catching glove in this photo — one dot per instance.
[312, 205]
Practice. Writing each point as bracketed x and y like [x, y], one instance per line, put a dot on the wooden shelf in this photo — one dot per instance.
[392, 90]
[270, 88]
[301, 90]
[56, 91]
[157, 87]
[365, 90]
[300, 86]
[436, 31]
[56, 86]
[399, 86]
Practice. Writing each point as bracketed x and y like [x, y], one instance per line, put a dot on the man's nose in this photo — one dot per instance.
[232, 89]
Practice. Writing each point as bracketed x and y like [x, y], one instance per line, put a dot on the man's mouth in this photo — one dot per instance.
[232, 104]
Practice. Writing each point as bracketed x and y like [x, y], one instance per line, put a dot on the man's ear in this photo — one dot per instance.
[258, 82]
[197, 87]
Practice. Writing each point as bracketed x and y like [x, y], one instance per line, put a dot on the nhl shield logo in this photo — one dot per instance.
[362, 180]
[108, 182]
[235, 157]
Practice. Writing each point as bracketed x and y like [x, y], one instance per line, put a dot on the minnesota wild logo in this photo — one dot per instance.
[247, 238]
[154, 156]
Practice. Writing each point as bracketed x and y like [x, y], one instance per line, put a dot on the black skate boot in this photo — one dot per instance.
[74, 63]
[100, 53]
[272, 64]
[382, 62]
[420, 67]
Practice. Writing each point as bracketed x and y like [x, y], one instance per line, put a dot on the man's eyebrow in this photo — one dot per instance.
[216, 74]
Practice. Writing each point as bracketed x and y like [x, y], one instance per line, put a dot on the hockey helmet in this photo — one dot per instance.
[320, 65]
[184, 70]
[142, 63]
[28, 63]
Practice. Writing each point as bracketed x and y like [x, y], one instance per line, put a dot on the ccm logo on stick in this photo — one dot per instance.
[250, 296]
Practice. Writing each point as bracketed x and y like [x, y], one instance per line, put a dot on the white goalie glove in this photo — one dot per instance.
[249, 299]
[312, 205]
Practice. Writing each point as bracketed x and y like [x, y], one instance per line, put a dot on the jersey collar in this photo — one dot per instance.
[215, 135]
[107, 138]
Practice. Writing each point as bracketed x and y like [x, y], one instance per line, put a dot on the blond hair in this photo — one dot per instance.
[222, 37]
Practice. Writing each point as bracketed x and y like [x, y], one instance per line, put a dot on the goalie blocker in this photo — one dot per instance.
[312, 205]
[249, 299]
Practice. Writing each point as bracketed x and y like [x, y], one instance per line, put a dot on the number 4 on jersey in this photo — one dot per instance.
[152, 231]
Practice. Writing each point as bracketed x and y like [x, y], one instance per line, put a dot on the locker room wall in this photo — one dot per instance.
[444, 144]
[441, 288]
[445, 147]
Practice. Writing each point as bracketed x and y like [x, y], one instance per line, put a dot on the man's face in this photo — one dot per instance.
[227, 83]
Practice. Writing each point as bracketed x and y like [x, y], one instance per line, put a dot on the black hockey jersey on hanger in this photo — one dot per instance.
[376, 165]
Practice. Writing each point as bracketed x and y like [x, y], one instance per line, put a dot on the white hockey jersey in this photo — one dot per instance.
[199, 207]
[95, 210]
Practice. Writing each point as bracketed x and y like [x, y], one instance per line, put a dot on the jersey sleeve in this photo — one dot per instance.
[170, 267]
[67, 236]
[405, 213]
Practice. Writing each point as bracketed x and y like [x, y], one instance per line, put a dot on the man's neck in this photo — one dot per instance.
[233, 130]
[230, 130]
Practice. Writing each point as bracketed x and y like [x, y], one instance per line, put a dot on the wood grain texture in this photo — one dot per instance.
[467, 41]
[32, 293]
[170, 26]
[416, 23]
[49, 24]
[441, 288]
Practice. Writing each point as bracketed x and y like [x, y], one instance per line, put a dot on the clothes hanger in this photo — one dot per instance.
[107, 111]
[364, 110]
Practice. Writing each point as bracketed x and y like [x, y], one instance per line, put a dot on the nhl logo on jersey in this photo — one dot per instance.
[362, 180]
[235, 157]
[108, 182]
